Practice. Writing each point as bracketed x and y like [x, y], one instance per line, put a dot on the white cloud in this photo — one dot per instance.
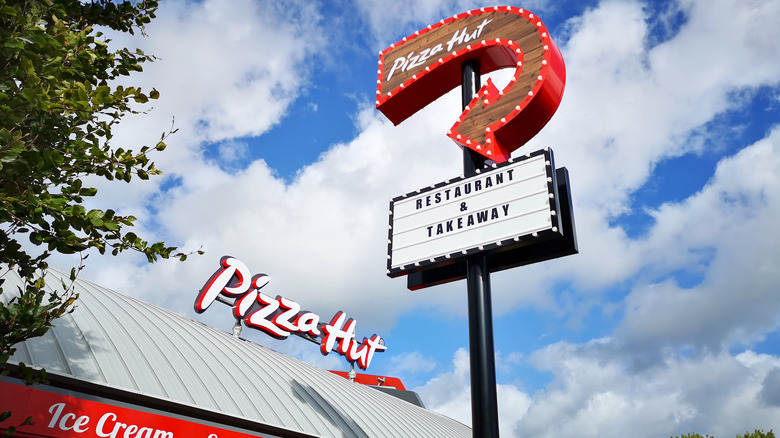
[414, 362]
[230, 68]
[321, 238]
[450, 394]
[390, 21]
[225, 70]
[726, 232]
[387, 19]
[628, 106]
[596, 393]
[232, 153]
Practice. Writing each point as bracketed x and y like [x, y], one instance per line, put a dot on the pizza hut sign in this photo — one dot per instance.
[280, 317]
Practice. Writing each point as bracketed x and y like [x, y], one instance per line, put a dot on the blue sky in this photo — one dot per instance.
[668, 320]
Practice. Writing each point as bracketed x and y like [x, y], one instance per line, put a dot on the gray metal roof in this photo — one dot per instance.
[128, 345]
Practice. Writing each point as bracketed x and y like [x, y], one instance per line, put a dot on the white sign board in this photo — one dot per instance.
[506, 205]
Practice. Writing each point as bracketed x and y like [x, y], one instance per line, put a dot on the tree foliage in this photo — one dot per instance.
[693, 435]
[755, 434]
[758, 434]
[61, 94]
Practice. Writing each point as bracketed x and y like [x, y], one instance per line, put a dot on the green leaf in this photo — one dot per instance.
[30, 95]
[10, 152]
[102, 95]
[57, 111]
[13, 44]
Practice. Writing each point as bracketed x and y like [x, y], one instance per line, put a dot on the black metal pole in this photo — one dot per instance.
[470, 84]
[484, 400]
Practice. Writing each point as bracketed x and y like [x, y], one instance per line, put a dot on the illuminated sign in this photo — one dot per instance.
[280, 317]
[422, 67]
[504, 207]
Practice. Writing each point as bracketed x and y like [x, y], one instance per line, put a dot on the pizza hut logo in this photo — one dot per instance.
[281, 317]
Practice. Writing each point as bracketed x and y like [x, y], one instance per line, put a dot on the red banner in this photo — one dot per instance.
[61, 416]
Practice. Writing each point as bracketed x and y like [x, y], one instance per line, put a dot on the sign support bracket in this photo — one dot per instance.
[484, 399]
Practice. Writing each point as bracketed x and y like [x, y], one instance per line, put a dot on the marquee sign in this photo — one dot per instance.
[279, 317]
[510, 205]
[422, 67]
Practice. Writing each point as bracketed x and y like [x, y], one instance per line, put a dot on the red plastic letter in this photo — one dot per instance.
[220, 282]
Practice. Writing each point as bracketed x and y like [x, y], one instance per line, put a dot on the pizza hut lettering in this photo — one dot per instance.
[425, 65]
[280, 317]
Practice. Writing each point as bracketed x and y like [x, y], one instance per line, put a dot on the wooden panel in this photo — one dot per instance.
[423, 66]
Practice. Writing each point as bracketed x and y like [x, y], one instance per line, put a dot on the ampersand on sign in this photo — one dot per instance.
[424, 66]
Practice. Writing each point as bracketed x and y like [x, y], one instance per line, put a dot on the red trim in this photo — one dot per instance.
[61, 416]
[373, 380]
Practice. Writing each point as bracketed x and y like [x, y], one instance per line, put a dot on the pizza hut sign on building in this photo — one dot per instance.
[280, 317]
